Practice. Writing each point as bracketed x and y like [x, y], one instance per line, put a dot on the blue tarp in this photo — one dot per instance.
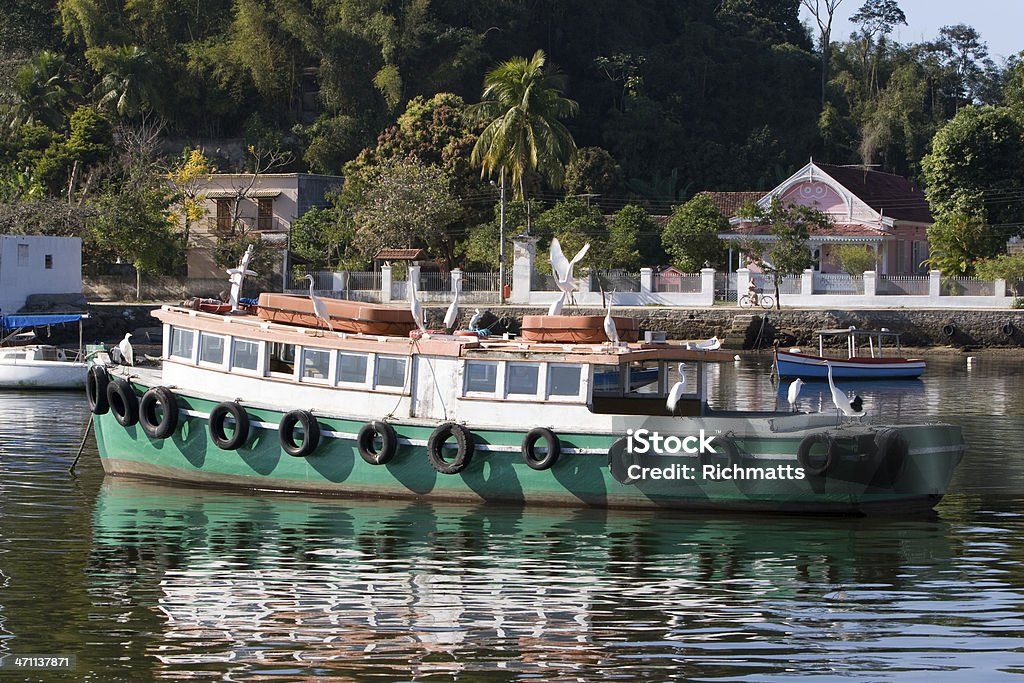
[13, 322]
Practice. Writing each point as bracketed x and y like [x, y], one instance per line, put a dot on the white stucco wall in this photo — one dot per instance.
[24, 271]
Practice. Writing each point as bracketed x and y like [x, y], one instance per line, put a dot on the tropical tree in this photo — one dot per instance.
[43, 89]
[129, 79]
[957, 239]
[187, 177]
[876, 18]
[854, 259]
[523, 105]
[823, 11]
[691, 236]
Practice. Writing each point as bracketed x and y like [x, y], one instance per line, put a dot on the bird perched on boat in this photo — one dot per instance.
[474, 321]
[237, 277]
[319, 307]
[676, 391]
[126, 350]
[556, 307]
[417, 308]
[452, 314]
[840, 399]
[794, 393]
[562, 267]
[610, 330]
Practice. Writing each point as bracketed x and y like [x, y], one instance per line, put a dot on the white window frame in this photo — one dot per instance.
[499, 375]
[368, 374]
[261, 357]
[225, 354]
[542, 375]
[193, 351]
[581, 391]
[377, 386]
[296, 372]
[331, 365]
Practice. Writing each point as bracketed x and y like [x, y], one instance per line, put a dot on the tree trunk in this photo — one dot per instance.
[138, 284]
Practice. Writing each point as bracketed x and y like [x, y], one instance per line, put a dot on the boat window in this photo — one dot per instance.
[643, 377]
[563, 380]
[390, 371]
[316, 364]
[181, 342]
[211, 348]
[481, 376]
[352, 367]
[13, 356]
[245, 354]
[282, 358]
[608, 380]
[521, 378]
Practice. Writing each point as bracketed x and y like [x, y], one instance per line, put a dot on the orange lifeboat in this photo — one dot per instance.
[576, 329]
[346, 316]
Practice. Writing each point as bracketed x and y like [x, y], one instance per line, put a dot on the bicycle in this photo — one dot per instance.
[765, 301]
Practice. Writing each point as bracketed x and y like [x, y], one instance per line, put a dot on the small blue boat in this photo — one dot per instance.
[876, 365]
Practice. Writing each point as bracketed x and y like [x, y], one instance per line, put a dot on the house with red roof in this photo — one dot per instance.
[881, 211]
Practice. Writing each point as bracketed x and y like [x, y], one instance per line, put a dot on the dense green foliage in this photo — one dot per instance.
[691, 235]
[662, 99]
[855, 259]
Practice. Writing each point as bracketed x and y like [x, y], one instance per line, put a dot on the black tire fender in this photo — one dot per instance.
[554, 448]
[124, 405]
[96, 382]
[168, 422]
[464, 454]
[218, 418]
[803, 454]
[722, 445]
[310, 433]
[891, 453]
[368, 434]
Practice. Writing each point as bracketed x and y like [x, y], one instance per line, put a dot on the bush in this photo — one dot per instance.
[854, 259]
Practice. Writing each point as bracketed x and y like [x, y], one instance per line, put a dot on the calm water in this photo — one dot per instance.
[144, 582]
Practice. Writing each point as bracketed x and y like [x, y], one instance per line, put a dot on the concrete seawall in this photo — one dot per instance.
[739, 328]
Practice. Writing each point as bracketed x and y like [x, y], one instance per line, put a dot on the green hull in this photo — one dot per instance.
[497, 472]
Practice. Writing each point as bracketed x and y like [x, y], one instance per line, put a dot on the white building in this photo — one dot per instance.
[38, 264]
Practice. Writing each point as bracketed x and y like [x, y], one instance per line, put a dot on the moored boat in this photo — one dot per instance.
[879, 364]
[243, 401]
[39, 366]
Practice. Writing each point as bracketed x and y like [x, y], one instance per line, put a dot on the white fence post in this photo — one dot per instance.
[456, 279]
[385, 284]
[524, 253]
[646, 280]
[999, 287]
[742, 282]
[807, 282]
[934, 283]
[707, 286]
[870, 284]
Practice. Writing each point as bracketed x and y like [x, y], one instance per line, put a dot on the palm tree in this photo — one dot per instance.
[129, 79]
[44, 91]
[522, 104]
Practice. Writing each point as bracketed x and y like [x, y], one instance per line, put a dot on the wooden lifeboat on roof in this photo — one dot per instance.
[346, 316]
[576, 329]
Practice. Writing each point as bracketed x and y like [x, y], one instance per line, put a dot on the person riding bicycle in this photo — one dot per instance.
[752, 292]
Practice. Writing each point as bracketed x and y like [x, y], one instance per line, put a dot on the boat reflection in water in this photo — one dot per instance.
[312, 586]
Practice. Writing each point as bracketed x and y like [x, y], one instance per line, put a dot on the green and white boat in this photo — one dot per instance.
[244, 400]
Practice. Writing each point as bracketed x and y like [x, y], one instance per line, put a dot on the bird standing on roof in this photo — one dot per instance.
[794, 393]
[610, 330]
[474, 321]
[562, 267]
[840, 399]
[126, 350]
[558, 304]
[452, 314]
[677, 390]
[319, 307]
[417, 308]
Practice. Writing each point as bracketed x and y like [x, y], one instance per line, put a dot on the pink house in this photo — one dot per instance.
[881, 211]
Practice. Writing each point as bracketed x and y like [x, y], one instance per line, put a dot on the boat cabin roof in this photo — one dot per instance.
[253, 327]
[854, 332]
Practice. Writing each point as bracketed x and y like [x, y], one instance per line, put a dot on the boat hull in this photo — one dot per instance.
[582, 476]
[813, 367]
[42, 375]
[576, 329]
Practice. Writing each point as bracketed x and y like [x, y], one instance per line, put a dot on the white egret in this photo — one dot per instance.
[558, 304]
[126, 350]
[319, 307]
[416, 307]
[474, 321]
[840, 399]
[562, 267]
[452, 314]
[610, 330]
[237, 277]
[794, 393]
[676, 392]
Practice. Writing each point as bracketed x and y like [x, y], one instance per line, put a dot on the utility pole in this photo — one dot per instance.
[501, 242]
